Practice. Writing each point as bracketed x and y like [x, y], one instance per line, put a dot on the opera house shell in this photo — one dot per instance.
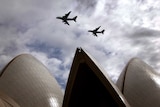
[26, 82]
[140, 84]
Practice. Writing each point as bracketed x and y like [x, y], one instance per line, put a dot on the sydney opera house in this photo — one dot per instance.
[26, 82]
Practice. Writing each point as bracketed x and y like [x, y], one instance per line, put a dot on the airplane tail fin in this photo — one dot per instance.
[103, 31]
[75, 18]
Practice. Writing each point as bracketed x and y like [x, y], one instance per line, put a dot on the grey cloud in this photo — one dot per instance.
[110, 6]
[85, 6]
[141, 1]
[87, 3]
[27, 12]
[144, 33]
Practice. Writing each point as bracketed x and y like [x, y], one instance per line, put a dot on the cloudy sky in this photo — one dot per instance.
[132, 29]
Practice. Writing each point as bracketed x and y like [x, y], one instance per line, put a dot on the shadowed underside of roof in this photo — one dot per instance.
[88, 86]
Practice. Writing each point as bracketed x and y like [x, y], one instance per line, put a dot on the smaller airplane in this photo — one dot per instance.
[65, 18]
[95, 31]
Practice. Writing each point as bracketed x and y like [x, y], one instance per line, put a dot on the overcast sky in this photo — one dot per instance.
[132, 29]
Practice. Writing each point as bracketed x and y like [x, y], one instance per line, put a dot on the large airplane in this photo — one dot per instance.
[65, 18]
[95, 31]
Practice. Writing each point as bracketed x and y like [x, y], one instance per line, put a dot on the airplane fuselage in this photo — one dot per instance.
[65, 18]
[96, 31]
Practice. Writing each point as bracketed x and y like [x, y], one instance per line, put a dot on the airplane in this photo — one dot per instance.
[65, 18]
[95, 31]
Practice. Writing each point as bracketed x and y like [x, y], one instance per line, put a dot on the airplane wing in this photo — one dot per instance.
[95, 34]
[66, 15]
[66, 22]
[97, 28]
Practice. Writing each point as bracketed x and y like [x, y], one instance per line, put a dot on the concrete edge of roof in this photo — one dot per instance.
[121, 80]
